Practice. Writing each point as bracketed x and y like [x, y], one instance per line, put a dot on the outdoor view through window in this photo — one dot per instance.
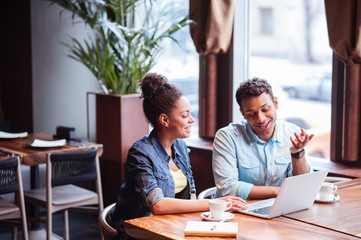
[289, 47]
[179, 62]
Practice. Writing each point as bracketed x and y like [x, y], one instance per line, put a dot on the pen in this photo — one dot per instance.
[215, 225]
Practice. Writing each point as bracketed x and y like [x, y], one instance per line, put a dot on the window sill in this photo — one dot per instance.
[338, 169]
[199, 143]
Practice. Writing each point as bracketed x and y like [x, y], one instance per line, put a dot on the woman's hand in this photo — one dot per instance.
[237, 203]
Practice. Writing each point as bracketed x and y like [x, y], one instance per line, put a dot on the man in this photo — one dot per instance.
[252, 158]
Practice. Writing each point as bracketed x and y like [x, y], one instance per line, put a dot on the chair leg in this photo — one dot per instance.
[14, 233]
[25, 229]
[49, 225]
[24, 222]
[66, 224]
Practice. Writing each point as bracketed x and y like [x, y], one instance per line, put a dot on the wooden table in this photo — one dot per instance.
[172, 227]
[35, 156]
[341, 220]
[343, 216]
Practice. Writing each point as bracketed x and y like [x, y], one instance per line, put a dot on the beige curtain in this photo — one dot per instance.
[344, 29]
[212, 32]
[344, 26]
[212, 35]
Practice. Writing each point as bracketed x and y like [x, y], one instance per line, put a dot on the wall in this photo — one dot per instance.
[60, 84]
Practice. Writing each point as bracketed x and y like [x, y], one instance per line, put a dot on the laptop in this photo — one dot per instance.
[296, 193]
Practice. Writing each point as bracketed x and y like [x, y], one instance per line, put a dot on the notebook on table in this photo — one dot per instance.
[215, 229]
[296, 193]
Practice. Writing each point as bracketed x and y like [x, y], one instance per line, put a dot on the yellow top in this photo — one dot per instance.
[180, 180]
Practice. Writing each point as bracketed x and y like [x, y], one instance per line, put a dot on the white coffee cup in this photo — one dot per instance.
[218, 207]
[326, 190]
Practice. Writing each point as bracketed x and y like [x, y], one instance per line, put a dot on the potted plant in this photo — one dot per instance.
[125, 46]
[127, 38]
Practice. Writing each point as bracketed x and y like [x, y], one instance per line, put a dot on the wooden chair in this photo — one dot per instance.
[104, 219]
[10, 182]
[62, 171]
[208, 193]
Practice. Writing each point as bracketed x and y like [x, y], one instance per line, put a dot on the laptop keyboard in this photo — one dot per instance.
[262, 211]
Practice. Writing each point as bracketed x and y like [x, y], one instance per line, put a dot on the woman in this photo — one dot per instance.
[158, 176]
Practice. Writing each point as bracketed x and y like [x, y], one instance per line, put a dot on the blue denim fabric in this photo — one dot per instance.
[148, 178]
[241, 159]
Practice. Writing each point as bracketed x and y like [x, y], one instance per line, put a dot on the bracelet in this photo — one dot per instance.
[299, 154]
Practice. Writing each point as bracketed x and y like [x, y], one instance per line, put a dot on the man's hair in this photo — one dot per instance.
[252, 88]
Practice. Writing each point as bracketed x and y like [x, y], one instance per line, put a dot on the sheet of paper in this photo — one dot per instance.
[13, 135]
[203, 228]
[45, 143]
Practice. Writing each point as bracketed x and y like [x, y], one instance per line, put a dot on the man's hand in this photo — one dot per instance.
[300, 141]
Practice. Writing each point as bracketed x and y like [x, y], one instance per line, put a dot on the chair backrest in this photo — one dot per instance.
[11, 182]
[73, 167]
[208, 193]
[108, 232]
[9, 176]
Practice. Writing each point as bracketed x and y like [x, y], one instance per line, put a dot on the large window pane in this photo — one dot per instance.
[179, 62]
[288, 46]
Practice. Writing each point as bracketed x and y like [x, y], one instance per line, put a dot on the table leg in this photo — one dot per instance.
[34, 183]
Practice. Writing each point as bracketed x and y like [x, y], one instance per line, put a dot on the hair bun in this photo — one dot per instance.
[151, 84]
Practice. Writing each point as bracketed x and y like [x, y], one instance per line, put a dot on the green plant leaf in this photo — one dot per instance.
[127, 38]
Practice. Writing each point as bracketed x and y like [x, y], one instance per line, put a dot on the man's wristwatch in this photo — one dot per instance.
[299, 154]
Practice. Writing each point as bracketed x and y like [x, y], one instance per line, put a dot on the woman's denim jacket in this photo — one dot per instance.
[148, 178]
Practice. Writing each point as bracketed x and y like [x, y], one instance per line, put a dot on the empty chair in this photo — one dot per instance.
[10, 182]
[208, 193]
[104, 219]
[63, 170]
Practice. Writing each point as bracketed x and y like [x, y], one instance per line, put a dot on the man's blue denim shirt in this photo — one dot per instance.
[242, 160]
[148, 178]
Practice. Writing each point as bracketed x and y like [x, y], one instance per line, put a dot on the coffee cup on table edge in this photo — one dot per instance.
[326, 190]
[217, 207]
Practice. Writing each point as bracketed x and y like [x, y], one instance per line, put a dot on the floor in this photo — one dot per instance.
[83, 226]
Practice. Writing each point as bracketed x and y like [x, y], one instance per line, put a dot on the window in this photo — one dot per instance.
[179, 62]
[266, 21]
[293, 54]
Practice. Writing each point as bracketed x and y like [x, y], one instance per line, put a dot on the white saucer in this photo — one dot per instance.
[332, 199]
[226, 216]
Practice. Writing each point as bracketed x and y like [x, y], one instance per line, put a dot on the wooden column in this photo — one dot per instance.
[351, 126]
[15, 66]
[338, 75]
[208, 96]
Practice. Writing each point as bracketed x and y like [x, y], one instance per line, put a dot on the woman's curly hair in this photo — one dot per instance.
[158, 96]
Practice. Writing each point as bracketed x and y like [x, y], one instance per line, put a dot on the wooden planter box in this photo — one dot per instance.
[120, 121]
